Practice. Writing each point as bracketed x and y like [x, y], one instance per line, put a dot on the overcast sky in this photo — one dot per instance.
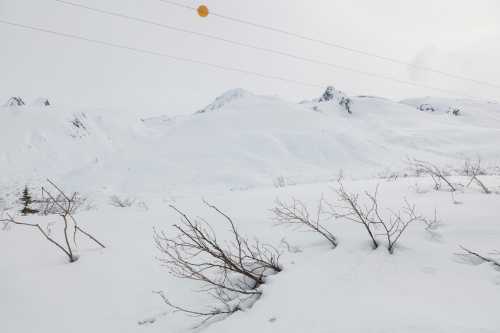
[457, 36]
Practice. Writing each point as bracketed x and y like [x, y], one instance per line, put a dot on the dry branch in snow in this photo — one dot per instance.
[58, 203]
[437, 174]
[231, 272]
[473, 170]
[297, 213]
[391, 225]
[481, 257]
[116, 201]
[350, 209]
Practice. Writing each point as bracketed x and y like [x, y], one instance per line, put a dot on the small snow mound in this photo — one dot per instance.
[427, 108]
[15, 101]
[41, 102]
[225, 99]
[436, 105]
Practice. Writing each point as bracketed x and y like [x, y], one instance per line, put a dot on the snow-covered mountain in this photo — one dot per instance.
[228, 97]
[45, 141]
[241, 140]
[242, 153]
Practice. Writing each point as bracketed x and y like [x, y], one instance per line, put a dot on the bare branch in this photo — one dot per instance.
[473, 170]
[116, 201]
[225, 309]
[63, 205]
[431, 225]
[297, 213]
[78, 228]
[392, 226]
[438, 175]
[481, 257]
[350, 209]
[10, 219]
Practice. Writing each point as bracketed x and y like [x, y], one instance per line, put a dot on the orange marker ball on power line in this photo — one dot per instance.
[203, 11]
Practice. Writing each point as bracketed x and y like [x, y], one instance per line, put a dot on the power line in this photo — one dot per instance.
[160, 54]
[336, 45]
[258, 48]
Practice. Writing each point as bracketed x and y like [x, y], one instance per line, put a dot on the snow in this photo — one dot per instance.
[228, 97]
[247, 143]
[40, 102]
[15, 102]
[232, 155]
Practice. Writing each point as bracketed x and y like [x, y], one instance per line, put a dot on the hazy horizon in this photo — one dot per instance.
[456, 37]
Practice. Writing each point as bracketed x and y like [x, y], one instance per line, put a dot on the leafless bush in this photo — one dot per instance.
[230, 272]
[438, 175]
[59, 204]
[116, 201]
[53, 203]
[394, 225]
[473, 170]
[369, 216]
[351, 210]
[297, 213]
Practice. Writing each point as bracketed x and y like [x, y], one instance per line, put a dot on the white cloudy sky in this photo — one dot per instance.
[458, 36]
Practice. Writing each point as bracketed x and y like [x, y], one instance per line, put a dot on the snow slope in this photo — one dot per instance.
[423, 287]
[48, 141]
[242, 153]
[240, 141]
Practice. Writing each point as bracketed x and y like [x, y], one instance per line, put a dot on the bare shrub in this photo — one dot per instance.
[473, 170]
[351, 210]
[296, 213]
[53, 203]
[231, 272]
[394, 225]
[391, 227]
[64, 206]
[116, 201]
[438, 175]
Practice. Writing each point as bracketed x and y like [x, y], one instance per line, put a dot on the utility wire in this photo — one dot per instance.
[159, 54]
[336, 45]
[258, 48]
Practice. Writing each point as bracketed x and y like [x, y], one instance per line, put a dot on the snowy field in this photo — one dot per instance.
[242, 153]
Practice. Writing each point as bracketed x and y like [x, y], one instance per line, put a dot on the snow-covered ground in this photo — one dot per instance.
[241, 153]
